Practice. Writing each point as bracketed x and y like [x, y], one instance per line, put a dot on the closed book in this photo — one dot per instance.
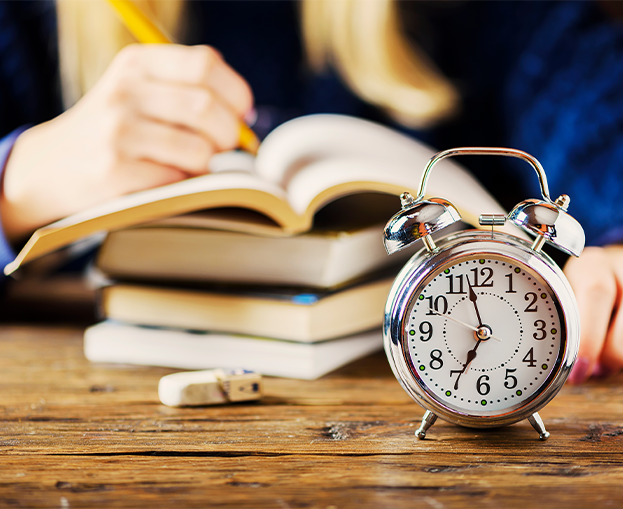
[275, 313]
[175, 252]
[129, 344]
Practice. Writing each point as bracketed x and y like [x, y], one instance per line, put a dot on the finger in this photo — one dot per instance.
[167, 145]
[611, 359]
[140, 175]
[194, 107]
[593, 283]
[194, 65]
[231, 87]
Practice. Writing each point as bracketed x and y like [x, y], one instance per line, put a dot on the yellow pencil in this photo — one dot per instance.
[146, 32]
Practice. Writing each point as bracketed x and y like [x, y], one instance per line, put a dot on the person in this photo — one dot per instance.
[145, 116]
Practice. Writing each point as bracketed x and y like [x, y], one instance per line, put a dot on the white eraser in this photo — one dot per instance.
[209, 387]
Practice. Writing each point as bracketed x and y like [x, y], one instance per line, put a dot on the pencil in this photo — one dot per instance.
[146, 32]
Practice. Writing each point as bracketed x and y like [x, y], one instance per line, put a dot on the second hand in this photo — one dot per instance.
[475, 329]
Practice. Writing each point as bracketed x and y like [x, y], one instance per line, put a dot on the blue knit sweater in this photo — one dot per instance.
[544, 77]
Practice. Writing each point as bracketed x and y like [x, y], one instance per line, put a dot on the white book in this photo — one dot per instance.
[128, 344]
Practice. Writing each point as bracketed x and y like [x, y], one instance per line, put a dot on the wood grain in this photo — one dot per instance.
[79, 435]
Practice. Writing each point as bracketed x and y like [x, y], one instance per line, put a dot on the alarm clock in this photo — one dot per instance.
[481, 328]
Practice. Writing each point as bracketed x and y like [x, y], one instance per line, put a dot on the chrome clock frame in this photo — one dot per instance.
[452, 249]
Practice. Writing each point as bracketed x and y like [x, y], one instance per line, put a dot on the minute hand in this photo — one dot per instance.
[461, 323]
[473, 297]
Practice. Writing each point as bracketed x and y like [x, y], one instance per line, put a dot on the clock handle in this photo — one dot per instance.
[486, 151]
[545, 219]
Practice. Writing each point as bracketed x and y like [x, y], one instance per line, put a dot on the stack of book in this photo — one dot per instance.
[196, 298]
[273, 263]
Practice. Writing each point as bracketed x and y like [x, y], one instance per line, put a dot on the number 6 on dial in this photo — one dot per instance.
[481, 327]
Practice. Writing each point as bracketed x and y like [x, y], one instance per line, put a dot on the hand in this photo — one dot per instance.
[471, 355]
[475, 329]
[597, 280]
[156, 117]
[473, 297]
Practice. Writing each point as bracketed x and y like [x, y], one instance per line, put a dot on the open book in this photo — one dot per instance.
[301, 167]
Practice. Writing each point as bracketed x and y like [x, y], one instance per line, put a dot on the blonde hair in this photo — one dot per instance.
[90, 35]
[362, 39]
[365, 41]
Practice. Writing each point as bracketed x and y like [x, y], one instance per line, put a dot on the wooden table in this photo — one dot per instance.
[80, 435]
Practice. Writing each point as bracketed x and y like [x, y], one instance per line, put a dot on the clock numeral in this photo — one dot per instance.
[510, 382]
[435, 356]
[540, 327]
[426, 328]
[532, 307]
[483, 388]
[436, 305]
[529, 359]
[510, 283]
[487, 273]
[460, 285]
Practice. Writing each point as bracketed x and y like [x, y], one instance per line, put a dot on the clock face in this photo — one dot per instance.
[484, 335]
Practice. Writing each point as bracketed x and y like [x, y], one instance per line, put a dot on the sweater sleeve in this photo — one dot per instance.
[7, 254]
[563, 103]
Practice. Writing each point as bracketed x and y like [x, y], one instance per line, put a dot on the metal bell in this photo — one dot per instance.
[547, 219]
[418, 220]
[550, 223]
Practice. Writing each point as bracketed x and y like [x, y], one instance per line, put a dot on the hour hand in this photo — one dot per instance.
[471, 355]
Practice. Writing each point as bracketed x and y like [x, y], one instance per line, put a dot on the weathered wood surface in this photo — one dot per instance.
[79, 435]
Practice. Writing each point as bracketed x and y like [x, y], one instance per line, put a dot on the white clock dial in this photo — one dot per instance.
[484, 334]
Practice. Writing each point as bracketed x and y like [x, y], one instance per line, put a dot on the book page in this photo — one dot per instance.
[226, 218]
[224, 189]
[326, 180]
[322, 157]
[307, 140]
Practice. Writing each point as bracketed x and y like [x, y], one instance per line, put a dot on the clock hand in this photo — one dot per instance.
[473, 297]
[475, 329]
[471, 355]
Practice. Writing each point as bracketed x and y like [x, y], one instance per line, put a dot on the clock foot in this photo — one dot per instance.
[537, 424]
[427, 421]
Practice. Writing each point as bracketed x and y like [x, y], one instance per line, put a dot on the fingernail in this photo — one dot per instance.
[601, 371]
[251, 117]
[579, 371]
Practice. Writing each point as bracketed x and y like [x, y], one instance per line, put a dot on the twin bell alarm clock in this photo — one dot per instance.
[482, 328]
